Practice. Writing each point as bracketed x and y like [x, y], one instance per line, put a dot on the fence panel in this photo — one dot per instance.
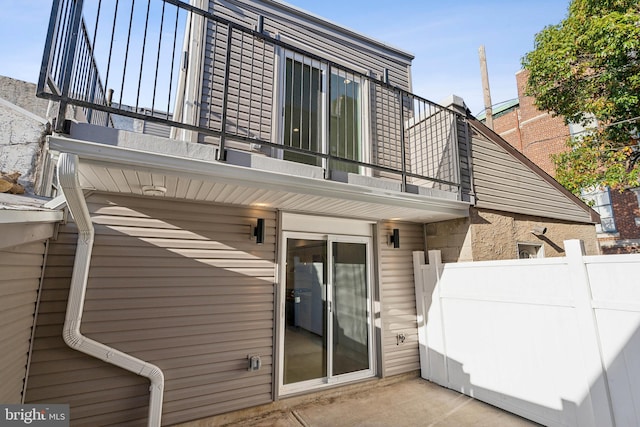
[554, 340]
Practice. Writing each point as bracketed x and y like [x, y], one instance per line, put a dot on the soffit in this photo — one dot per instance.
[121, 170]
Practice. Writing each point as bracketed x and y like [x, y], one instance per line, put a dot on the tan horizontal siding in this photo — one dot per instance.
[181, 285]
[504, 183]
[20, 271]
[320, 37]
[251, 80]
[398, 299]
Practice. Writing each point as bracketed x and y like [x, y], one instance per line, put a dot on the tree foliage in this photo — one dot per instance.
[585, 67]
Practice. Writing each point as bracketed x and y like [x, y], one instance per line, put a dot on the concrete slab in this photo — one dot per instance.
[414, 402]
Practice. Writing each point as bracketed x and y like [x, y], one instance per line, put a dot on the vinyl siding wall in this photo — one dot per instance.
[181, 285]
[398, 298]
[316, 35]
[251, 82]
[503, 183]
[20, 271]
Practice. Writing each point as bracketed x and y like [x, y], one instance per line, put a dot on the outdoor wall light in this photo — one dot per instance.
[258, 231]
[153, 190]
[260, 24]
[394, 238]
[539, 230]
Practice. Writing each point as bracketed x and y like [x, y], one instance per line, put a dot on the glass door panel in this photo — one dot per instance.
[350, 352]
[303, 115]
[305, 337]
[345, 130]
[327, 318]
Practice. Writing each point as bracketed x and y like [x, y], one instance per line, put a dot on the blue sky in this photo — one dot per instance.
[443, 35]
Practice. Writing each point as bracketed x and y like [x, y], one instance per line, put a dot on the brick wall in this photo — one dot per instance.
[536, 134]
[507, 126]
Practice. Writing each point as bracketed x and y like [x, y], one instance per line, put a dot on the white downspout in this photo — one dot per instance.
[68, 179]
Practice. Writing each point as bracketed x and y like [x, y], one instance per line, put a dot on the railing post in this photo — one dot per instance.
[472, 194]
[455, 151]
[327, 144]
[70, 49]
[402, 141]
[225, 97]
[45, 67]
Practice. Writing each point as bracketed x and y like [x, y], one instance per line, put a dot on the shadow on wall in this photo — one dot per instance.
[177, 284]
[622, 375]
[556, 341]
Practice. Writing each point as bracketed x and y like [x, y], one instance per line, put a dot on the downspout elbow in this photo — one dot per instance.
[68, 179]
[71, 335]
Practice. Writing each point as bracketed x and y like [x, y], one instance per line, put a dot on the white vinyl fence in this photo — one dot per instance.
[555, 340]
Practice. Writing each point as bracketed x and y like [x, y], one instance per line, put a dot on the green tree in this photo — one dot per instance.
[585, 67]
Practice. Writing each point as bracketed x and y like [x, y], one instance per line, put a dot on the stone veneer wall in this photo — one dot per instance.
[493, 235]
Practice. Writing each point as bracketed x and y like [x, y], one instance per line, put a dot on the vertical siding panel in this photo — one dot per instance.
[181, 285]
[20, 271]
[398, 297]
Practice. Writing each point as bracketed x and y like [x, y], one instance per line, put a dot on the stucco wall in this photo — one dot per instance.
[22, 130]
[452, 238]
[494, 235]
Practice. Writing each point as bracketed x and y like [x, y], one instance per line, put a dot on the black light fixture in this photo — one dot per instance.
[258, 231]
[394, 238]
[260, 24]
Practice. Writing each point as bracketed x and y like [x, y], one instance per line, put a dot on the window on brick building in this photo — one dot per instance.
[580, 129]
[600, 201]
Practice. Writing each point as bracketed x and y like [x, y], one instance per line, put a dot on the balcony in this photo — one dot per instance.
[173, 69]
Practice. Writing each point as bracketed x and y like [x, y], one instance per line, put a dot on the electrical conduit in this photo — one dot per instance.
[68, 179]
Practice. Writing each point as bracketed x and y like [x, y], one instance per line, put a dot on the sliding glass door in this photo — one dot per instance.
[322, 112]
[327, 317]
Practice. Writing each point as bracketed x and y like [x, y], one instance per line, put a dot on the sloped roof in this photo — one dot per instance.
[499, 109]
[505, 179]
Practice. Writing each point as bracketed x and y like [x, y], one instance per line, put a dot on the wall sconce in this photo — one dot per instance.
[539, 230]
[394, 238]
[258, 231]
[260, 24]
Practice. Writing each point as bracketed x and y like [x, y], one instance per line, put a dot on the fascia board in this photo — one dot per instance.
[231, 174]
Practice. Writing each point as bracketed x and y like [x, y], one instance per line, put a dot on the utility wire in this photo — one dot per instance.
[634, 119]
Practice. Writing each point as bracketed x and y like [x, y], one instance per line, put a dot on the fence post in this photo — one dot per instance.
[422, 308]
[438, 359]
[596, 410]
[431, 339]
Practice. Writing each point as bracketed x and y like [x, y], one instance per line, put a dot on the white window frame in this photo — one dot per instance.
[592, 194]
[527, 246]
[277, 133]
[317, 228]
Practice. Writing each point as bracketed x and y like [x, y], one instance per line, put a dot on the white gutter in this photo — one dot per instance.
[68, 179]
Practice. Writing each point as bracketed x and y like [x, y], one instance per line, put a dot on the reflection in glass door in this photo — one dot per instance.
[305, 339]
[327, 331]
[349, 311]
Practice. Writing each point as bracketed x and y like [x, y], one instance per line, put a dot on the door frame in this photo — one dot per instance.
[282, 389]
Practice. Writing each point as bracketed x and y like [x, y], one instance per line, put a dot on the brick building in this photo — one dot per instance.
[538, 135]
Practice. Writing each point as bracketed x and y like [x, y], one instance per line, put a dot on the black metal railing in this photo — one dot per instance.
[179, 66]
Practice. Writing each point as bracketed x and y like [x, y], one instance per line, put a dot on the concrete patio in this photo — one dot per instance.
[408, 402]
